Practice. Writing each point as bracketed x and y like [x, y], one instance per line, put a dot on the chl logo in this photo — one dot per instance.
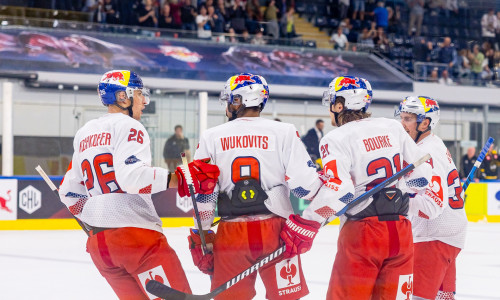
[183, 203]
[405, 287]
[156, 273]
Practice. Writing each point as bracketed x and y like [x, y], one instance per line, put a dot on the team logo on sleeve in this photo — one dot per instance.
[131, 160]
[288, 276]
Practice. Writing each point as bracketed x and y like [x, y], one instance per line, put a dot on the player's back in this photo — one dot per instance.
[376, 149]
[250, 147]
[96, 159]
[450, 226]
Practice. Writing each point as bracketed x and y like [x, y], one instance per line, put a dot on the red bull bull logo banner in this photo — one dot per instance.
[181, 53]
[8, 199]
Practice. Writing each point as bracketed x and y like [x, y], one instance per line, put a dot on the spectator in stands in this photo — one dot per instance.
[111, 11]
[245, 37]
[462, 65]
[289, 23]
[216, 19]
[488, 65]
[416, 16]
[147, 14]
[203, 22]
[497, 43]
[476, 59]
[447, 53]
[175, 11]
[434, 75]
[253, 10]
[422, 53]
[188, 15]
[345, 25]
[91, 7]
[450, 7]
[220, 7]
[165, 20]
[381, 41]
[343, 8]
[445, 78]
[394, 16]
[271, 16]
[436, 7]
[339, 40]
[489, 26]
[258, 39]
[359, 5]
[467, 163]
[231, 36]
[367, 35]
[381, 15]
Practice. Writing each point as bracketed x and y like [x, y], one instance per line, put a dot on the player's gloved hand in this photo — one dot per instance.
[204, 262]
[298, 235]
[204, 178]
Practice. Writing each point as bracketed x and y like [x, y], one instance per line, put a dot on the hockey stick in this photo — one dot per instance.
[53, 187]
[478, 162]
[382, 185]
[165, 292]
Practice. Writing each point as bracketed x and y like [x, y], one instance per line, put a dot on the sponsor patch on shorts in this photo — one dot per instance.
[405, 287]
[156, 273]
[287, 276]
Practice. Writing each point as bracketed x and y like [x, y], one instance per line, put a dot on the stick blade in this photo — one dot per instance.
[163, 291]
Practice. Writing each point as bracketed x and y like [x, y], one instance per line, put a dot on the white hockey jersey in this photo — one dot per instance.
[361, 154]
[451, 225]
[110, 179]
[268, 151]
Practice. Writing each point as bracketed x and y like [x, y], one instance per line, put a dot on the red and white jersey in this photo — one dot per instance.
[110, 179]
[268, 151]
[358, 156]
[451, 225]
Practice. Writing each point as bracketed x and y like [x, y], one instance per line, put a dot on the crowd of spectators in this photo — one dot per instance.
[235, 20]
[395, 28]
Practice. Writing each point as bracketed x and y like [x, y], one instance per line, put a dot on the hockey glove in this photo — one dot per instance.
[298, 235]
[204, 262]
[204, 178]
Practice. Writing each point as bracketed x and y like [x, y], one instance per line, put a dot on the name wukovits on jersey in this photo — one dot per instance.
[263, 142]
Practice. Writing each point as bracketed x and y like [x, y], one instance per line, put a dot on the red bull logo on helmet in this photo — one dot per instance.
[241, 80]
[345, 82]
[115, 77]
[429, 104]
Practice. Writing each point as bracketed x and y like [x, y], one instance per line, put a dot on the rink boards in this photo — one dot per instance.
[27, 203]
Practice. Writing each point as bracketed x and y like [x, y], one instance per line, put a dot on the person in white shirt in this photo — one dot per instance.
[339, 40]
[437, 241]
[108, 189]
[203, 23]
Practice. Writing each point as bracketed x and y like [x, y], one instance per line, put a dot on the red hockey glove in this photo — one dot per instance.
[204, 178]
[204, 262]
[298, 235]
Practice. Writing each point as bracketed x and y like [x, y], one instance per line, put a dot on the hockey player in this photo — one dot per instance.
[437, 241]
[108, 187]
[260, 161]
[375, 248]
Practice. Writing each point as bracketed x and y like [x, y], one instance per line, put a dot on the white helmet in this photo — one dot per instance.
[252, 89]
[422, 106]
[356, 91]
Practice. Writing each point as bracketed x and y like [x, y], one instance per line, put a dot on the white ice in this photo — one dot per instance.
[54, 265]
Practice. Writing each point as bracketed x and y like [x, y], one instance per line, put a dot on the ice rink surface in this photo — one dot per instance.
[54, 265]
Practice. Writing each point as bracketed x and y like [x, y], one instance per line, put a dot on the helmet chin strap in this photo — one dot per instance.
[129, 108]
[419, 133]
[335, 114]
